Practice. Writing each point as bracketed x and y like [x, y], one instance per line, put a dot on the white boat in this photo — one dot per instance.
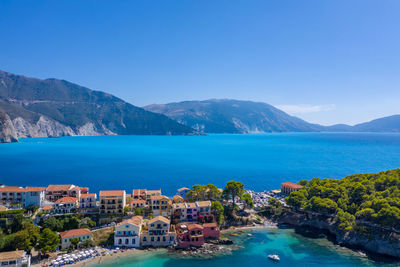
[274, 257]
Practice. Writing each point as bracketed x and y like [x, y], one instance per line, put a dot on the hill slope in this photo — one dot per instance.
[233, 116]
[55, 107]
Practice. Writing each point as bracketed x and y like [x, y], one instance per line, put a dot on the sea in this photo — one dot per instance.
[259, 161]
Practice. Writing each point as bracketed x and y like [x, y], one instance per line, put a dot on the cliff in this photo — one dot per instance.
[369, 237]
[7, 131]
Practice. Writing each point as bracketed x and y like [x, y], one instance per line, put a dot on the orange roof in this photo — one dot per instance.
[59, 187]
[214, 224]
[112, 193]
[75, 233]
[159, 218]
[291, 185]
[87, 195]
[13, 189]
[83, 188]
[159, 197]
[136, 220]
[35, 188]
[206, 203]
[194, 226]
[11, 255]
[138, 201]
[67, 200]
[183, 189]
[47, 208]
[138, 192]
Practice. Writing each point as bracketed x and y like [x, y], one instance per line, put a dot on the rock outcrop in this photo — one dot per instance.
[372, 238]
[7, 131]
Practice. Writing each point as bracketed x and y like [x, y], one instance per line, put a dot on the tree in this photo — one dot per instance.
[48, 241]
[233, 190]
[248, 201]
[75, 242]
[28, 237]
[296, 199]
[218, 211]
[53, 224]
[139, 211]
[17, 223]
[88, 243]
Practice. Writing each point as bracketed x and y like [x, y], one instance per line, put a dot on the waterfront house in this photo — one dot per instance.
[211, 231]
[160, 205]
[66, 205]
[177, 199]
[87, 203]
[35, 196]
[82, 234]
[182, 192]
[16, 258]
[112, 201]
[192, 212]
[159, 233]
[18, 197]
[139, 194]
[127, 232]
[137, 203]
[151, 193]
[289, 187]
[189, 235]
[55, 192]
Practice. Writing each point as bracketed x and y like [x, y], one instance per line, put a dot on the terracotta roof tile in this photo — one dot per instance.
[159, 197]
[12, 189]
[11, 255]
[35, 188]
[112, 193]
[214, 224]
[194, 226]
[291, 185]
[138, 201]
[136, 220]
[88, 195]
[203, 203]
[59, 187]
[47, 208]
[159, 218]
[67, 200]
[75, 233]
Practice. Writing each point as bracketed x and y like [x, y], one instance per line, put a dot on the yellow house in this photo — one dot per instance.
[177, 199]
[151, 193]
[160, 205]
[158, 234]
[112, 201]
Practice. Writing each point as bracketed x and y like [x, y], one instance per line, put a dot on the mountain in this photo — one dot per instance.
[52, 107]
[385, 124]
[233, 116]
[7, 131]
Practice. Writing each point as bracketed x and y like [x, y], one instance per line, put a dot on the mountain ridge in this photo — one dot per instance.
[53, 107]
[198, 115]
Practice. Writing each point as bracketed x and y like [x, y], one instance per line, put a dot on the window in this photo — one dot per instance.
[120, 241]
[164, 239]
[171, 238]
[158, 239]
[144, 238]
[133, 241]
[152, 239]
[65, 240]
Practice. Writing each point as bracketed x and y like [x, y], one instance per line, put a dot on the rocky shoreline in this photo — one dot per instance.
[372, 239]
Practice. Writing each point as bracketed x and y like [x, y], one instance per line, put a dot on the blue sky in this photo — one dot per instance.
[324, 61]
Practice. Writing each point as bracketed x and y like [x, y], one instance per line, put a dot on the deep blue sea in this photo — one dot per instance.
[260, 161]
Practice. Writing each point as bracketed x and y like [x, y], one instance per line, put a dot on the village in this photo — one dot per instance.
[115, 219]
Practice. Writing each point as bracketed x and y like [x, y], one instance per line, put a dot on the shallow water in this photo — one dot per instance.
[292, 248]
[260, 161]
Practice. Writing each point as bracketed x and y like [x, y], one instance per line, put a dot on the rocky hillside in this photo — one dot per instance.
[233, 116]
[52, 107]
[7, 131]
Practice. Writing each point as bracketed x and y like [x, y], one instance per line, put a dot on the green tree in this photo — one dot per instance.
[17, 223]
[139, 211]
[27, 238]
[233, 190]
[248, 201]
[53, 224]
[48, 241]
[297, 199]
[218, 211]
[75, 242]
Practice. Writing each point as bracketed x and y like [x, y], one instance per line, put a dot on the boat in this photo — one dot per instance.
[274, 257]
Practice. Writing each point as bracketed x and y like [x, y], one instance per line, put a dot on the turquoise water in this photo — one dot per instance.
[260, 161]
[293, 250]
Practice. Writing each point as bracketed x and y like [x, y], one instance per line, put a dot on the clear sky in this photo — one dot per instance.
[324, 61]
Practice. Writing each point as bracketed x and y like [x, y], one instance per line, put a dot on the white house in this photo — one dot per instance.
[16, 258]
[127, 233]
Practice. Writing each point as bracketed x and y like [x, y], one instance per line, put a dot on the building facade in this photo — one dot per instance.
[66, 205]
[127, 233]
[112, 201]
[150, 194]
[82, 234]
[160, 205]
[189, 235]
[289, 187]
[158, 234]
[55, 192]
[87, 203]
[18, 258]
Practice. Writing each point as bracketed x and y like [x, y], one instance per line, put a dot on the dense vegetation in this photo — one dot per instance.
[354, 200]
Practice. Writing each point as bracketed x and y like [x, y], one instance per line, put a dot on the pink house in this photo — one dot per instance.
[210, 231]
[189, 235]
